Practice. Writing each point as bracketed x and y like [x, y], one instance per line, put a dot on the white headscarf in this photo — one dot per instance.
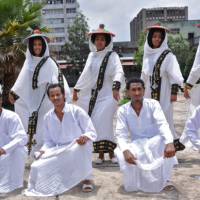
[87, 80]
[23, 84]
[151, 55]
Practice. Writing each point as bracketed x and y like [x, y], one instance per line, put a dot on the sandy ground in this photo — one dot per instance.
[108, 180]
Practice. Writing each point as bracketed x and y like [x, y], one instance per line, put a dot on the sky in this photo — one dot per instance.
[117, 14]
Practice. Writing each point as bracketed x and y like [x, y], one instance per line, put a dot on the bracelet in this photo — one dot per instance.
[174, 89]
[116, 85]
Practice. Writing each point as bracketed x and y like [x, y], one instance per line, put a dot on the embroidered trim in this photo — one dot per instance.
[188, 86]
[155, 80]
[105, 146]
[116, 85]
[99, 84]
[174, 89]
[15, 96]
[37, 71]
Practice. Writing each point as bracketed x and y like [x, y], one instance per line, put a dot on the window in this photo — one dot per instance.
[71, 10]
[175, 30]
[52, 11]
[58, 30]
[70, 1]
[55, 2]
[55, 20]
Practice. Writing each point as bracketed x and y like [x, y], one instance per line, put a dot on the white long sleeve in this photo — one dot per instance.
[192, 129]
[162, 124]
[16, 133]
[194, 75]
[122, 131]
[86, 124]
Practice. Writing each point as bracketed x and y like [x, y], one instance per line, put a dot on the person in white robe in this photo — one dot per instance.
[170, 74]
[192, 86]
[191, 135]
[30, 86]
[100, 43]
[13, 153]
[65, 158]
[145, 149]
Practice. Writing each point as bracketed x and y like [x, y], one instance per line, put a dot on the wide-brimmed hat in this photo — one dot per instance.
[36, 33]
[157, 26]
[101, 30]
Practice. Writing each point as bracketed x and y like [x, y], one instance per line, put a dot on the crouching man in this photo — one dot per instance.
[12, 150]
[65, 159]
[147, 161]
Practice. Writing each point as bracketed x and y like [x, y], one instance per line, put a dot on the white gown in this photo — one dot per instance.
[194, 76]
[170, 74]
[64, 163]
[12, 140]
[191, 135]
[29, 98]
[106, 105]
[149, 133]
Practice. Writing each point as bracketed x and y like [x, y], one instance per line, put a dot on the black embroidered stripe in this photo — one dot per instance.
[15, 96]
[36, 72]
[116, 85]
[99, 83]
[105, 146]
[155, 80]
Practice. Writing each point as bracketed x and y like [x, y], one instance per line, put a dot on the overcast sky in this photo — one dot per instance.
[117, 14]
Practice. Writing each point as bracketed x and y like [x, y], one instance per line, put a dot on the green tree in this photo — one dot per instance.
[76, 49]
[17, 17]
[140, 52]
[181, 48]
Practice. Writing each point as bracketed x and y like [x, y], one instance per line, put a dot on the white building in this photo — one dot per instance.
[57, 15]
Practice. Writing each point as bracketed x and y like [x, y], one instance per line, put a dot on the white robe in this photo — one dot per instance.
[12, 140]
[170, 74]
[193, 77]
[191, 136]
[106, 105]
[149, 133]
[64, 163]
[29, 99]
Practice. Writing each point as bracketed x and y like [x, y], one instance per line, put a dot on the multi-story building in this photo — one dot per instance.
[150, 16]
[57, 16]
[190, 30]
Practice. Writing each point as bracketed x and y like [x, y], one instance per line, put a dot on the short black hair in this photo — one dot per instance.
[134, 80]
[31, 42]
[107, 38]
[152, 31]
[55, 85]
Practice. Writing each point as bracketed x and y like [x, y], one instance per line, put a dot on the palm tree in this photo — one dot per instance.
[17, 18]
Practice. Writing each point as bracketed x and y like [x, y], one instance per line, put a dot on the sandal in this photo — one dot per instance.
[169, 187]
[87, 188]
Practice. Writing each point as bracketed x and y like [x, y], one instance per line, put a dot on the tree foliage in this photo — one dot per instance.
[17, 18]
[76, 49]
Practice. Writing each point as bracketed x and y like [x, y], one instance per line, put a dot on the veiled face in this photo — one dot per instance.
[100, 42]
[37, 47]
[156, 39]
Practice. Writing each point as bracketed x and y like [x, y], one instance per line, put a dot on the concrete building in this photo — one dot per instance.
[190, 30]
[150, 16]
[57, 15]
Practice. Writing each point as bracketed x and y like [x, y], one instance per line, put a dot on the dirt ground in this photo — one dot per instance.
[108, 180]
